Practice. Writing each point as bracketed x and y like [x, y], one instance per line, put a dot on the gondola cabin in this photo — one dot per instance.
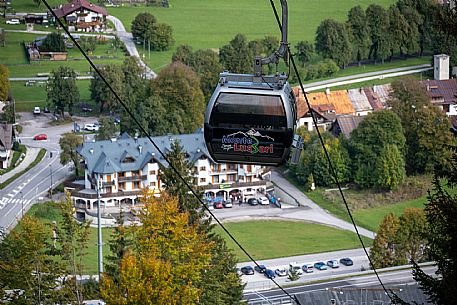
[250, 119]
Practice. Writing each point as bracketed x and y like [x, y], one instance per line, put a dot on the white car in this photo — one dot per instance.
[13, 21]
[333, 263]
[296, 267]
[91, 127]
[264, 200]
[36, 110]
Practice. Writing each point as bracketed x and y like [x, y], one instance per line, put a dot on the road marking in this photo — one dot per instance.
[16, 191]
[11, 195]
[14, 201]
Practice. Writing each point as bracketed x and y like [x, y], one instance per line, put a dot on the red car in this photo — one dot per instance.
[218, 205]
[40, 137]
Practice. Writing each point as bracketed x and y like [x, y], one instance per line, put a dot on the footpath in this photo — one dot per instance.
[30, 156]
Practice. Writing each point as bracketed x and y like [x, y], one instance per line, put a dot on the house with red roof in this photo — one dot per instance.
[443, 94]
[81, 15]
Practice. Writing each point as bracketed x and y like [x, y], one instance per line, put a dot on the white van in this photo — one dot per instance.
[295, 266]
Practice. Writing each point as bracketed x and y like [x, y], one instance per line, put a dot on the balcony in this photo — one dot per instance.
[233, 185]
[86, 195]
[133, 178]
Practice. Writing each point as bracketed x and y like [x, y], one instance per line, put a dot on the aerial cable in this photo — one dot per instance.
[390, 293]
[143, 130]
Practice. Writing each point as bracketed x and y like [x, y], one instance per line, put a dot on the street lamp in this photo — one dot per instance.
[99, 186]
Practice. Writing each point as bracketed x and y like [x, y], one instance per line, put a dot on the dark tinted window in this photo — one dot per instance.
[249, 104]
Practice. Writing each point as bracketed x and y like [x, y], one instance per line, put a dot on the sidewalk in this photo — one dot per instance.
[30, 156]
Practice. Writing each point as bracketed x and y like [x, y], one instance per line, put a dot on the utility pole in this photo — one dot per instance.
[50, 189]
[22, 204]
[99, 216]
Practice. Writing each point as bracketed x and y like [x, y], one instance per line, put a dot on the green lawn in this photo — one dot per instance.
[28, 97]
[262, 239]
[272, 239]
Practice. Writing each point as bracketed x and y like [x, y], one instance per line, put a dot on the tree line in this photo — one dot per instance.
[378, 33]
[410, 138]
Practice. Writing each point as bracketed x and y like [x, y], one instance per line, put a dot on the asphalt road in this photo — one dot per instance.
[392, 278]
[34, 185]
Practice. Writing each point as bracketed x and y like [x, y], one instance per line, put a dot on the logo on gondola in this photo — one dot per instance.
[247, 142]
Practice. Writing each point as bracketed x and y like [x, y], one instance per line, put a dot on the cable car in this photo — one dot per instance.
[251, 118]
[248, 121]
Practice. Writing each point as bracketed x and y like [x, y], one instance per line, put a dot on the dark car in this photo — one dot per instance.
[252, 201]
[247, 270]
[269, 274]
[320, 266]
[260, 268]
[346, 261]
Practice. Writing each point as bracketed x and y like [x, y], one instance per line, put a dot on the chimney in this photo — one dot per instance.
[91, 151]
[140, 148]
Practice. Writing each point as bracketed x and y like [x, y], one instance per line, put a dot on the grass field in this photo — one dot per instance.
[262, 239]
[272, 239]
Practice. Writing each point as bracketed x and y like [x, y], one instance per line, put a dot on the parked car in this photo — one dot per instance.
[333, 263]
[238, 272]
[269, 274]
[13, 21]
[218, 205]
[46, 109]
[227, 203]
[263, 200]
[260, 268]
[346, 261]
[320, 266]
[281, 272]
[36, 110]
[247, 270]
[296, 267]
[252, 201]
[308, 268]
[91, 127]
[40, 137]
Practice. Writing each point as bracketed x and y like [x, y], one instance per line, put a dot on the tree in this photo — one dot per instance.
[27, 265]
[160, 36]
[441, 213]
[88, 43]
[183, 54]
[305, 51]
[73, 237]
[206, 64]
[426, 129]
[142, 24]
[68, 144]
[53, 42]
[100, 92]
[357, 21]
[389, 168]
[62, 90]
[378, 23]
[293, 274]
[383, 252]
[366, 143]
[4, 82]
[400, 31]
[411, 235]
[167, 263]
[107, 128]
[332, 41]
[221, 284]
[237, 57]
[177, 87]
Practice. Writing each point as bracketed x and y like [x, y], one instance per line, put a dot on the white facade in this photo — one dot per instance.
[441, 66]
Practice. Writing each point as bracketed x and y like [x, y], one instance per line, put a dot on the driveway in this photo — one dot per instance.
[127, 39]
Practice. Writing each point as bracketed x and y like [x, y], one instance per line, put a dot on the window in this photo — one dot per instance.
[231, 178]
[152, 184]
[249, 179]
[153, 172]
[202, 180]
[202, 168]
[122, 174]
[249, 168]
[136, 185]
[215, 179]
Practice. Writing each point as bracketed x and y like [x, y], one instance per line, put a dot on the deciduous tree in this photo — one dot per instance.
[332, 41]
[378, 23]
[68, 144]
[53, 42]
[142, 24]
[305, 51]
[237, 57]
[107, 128]
[62, 90]
[383, 252]
[4, 82]
[100, 92]
[168, 261]
[160, 36]
[390, 168]
[357, 21]
[411, 235]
